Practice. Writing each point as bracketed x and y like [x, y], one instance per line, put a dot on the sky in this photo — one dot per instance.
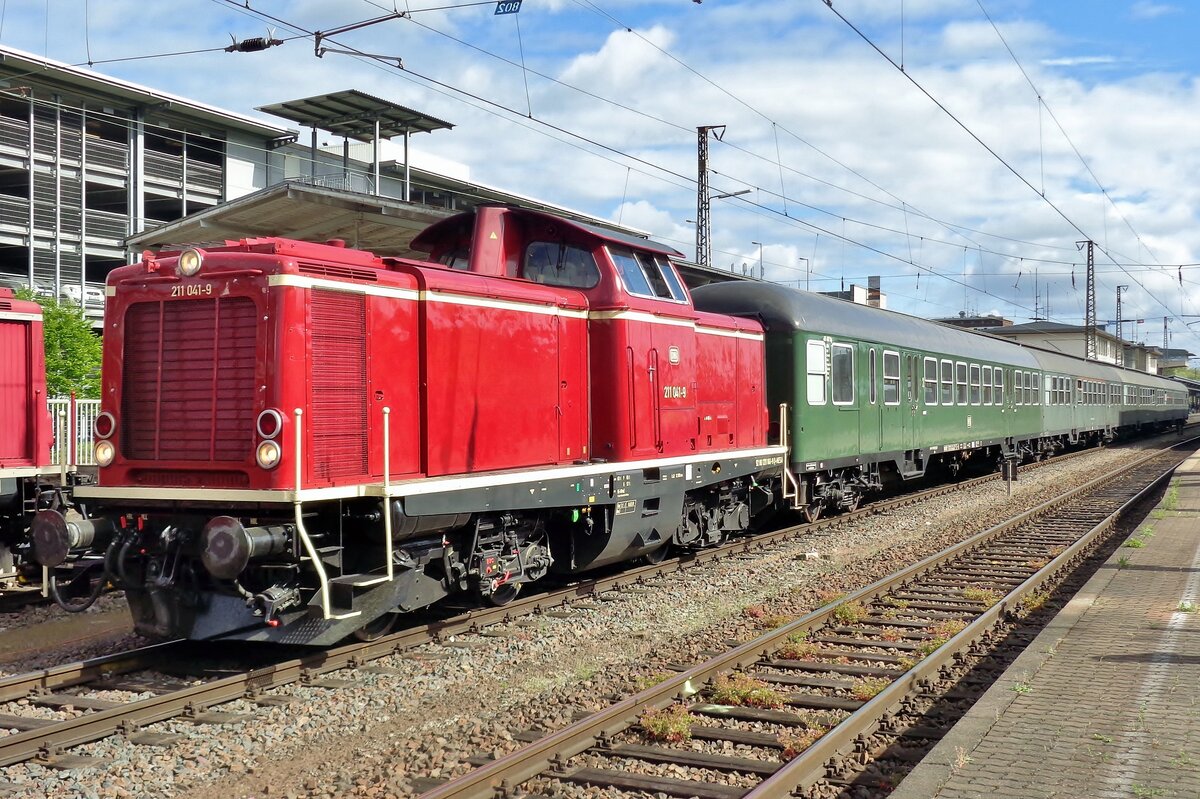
[959, 149]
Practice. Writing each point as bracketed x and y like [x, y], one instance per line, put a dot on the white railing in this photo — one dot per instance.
[72, 420]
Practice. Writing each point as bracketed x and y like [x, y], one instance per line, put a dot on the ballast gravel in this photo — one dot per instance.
[389, 735]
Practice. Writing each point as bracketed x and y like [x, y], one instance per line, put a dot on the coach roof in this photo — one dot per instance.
[782, 308]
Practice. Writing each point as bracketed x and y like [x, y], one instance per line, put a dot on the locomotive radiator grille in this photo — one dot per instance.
[339, 384]
[188, 384]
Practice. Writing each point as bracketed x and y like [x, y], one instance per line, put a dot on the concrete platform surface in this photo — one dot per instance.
[1105, 704]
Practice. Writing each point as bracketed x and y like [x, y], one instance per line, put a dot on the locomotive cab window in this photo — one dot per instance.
[891, 378]
[645, 276]
[947, 382]
[841, 374]
[816, 372]
[558, 264]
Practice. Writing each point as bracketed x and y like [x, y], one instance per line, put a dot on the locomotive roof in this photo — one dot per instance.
[446, 227]
[782, 308]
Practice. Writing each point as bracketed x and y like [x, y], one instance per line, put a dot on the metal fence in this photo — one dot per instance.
[72, 420]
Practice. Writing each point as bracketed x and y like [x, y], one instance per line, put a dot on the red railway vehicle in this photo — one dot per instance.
[298, 441]
[25, 430]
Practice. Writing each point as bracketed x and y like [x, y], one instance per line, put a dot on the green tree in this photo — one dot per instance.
[72, 350]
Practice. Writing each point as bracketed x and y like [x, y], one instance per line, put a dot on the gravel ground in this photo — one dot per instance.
[445, 703]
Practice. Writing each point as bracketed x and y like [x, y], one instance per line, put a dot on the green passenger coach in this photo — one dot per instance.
[868, 398]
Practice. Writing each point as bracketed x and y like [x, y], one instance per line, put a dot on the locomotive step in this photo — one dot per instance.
[343, 590]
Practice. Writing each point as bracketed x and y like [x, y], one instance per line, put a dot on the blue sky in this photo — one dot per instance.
[849, 164]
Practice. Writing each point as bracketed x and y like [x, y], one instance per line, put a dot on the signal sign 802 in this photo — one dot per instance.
[508, 7]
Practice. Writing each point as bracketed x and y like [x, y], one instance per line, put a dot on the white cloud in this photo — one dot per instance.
[1146, 9]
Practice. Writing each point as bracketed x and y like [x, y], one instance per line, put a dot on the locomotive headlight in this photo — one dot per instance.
[190, 261]
[267, 454]
[105, 451]
[105, 425]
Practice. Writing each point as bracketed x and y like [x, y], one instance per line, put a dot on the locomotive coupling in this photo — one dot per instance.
[55, 536]
[228, 547]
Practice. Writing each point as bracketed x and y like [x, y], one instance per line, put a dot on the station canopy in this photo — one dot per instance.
[353, 114]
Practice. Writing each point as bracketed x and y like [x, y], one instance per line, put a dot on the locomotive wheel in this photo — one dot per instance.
[504, 594]
[657, 556]
[377, 628]
[812, 512]
[854, 502]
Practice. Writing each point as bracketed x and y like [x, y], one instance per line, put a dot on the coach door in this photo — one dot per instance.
[870, 432]
[912, 387]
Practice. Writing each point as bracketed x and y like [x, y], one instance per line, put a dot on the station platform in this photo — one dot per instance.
[1106, 701]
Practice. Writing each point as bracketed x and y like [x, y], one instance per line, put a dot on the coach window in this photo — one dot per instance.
[891, 378]
[987, 385]
[931, 381]
[960, 383]
[947, 382]
[974, 384]
[872, 377]
[816, 373]
[1037, 388]
[998, 380]
[841, 374]
[1018, 387]
[1029, 388]
[557, 264]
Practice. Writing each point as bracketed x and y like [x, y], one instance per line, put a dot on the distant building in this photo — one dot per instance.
[93, 169]
[1173, 358]
[975, 322]
[860, 295]
[1072, 340]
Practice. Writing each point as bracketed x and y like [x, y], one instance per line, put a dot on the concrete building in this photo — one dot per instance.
[93, 169]
[975, 322]
[1072, 340]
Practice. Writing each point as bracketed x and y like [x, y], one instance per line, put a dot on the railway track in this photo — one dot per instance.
[813, 698]
[122, 694]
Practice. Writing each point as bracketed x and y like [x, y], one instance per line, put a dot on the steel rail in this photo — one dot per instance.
[556, 747]
[97, 725]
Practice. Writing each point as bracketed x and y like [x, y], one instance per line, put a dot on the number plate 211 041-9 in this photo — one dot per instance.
[192, 290]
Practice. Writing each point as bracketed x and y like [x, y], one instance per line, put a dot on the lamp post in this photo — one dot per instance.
[807, 271]
[761, 271]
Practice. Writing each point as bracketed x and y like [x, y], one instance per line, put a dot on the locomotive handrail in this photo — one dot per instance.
[387, 487]
[789, 479]
[300, 529]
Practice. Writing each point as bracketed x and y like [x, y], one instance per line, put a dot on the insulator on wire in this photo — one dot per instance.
[255, 45]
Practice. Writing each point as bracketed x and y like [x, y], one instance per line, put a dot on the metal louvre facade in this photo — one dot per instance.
[188, 390]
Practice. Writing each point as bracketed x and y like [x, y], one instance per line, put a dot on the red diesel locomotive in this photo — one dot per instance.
[299, 441]
[25, 429]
